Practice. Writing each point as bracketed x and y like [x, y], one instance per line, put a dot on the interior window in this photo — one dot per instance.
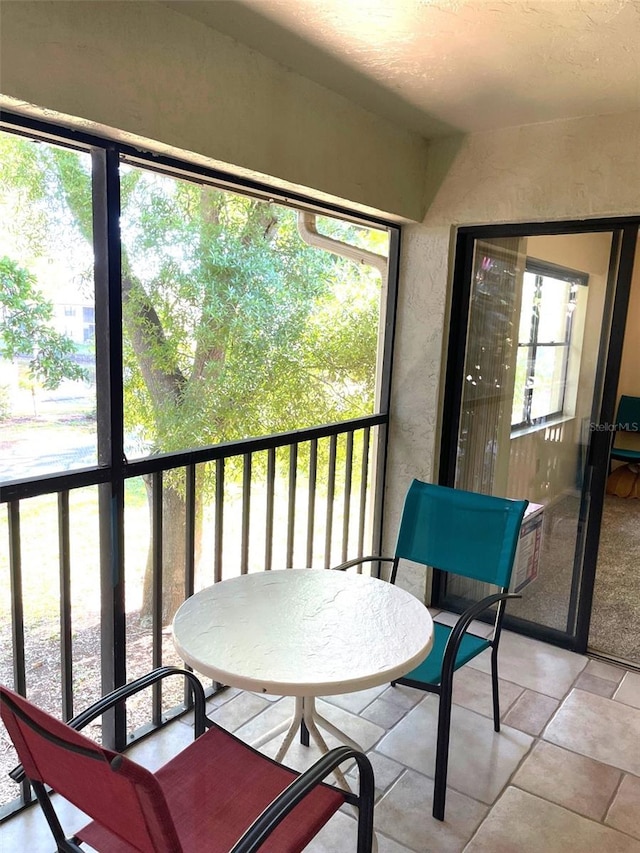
[544, 342]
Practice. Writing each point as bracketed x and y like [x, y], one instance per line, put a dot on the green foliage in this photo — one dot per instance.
[233, 326]
[260, 332]
[24, 329]
[5, 402]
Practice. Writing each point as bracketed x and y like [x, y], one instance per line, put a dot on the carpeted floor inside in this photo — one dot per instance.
[615, 620]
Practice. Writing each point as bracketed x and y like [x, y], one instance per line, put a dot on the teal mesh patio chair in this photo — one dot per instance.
[627, 420]
[461, 533]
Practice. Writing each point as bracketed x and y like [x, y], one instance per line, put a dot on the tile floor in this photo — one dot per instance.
[563, 774]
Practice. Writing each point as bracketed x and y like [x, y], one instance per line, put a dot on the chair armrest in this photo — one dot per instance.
[120, 693]
[263, 826]
[343, 566]
[460, 628]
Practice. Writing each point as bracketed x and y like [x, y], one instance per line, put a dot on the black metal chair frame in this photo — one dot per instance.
[274, 814]
[445, 688]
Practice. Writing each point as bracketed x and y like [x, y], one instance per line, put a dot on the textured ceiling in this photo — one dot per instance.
[440, 66]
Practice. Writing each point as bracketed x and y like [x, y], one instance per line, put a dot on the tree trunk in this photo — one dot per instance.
[165, 386]
[174, 529]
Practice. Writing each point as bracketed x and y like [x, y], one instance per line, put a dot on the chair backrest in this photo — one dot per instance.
[117, 793]
[461, 532]
[628, 415]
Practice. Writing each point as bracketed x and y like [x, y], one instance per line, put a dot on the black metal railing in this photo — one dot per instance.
[310, 498]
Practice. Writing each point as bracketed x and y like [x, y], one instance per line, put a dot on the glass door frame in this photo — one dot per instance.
[624, 239]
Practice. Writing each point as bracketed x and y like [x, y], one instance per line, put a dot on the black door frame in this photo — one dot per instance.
[625, 235]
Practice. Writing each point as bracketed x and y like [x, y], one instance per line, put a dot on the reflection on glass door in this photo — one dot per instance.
[538, 309]
[615, 613]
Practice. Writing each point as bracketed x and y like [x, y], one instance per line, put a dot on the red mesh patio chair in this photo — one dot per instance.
[217, 796]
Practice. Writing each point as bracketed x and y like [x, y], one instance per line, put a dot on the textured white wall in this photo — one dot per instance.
[141, 71]
[562, 170]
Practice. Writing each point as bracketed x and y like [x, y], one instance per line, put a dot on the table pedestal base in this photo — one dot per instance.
[305, 711]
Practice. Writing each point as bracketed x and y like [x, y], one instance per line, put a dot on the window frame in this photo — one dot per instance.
[575, 278]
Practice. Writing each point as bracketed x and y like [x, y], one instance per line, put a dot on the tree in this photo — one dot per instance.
[233, 326]
[25, 329]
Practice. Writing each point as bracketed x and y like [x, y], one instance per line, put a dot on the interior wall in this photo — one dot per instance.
[148, 75]
[580, 168]
[629, 382]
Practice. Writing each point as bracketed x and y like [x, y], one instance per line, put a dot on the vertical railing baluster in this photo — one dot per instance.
[246, 511]
[190, 550]
[219, 521]
[291, 513]
[311, 506]
[66, 648]
[111, 499]
[157, 567]
[17, 613]
[17, 609]
[271, 485]
[348, 473]
[363, 490]
[331, 490]
[190, 532]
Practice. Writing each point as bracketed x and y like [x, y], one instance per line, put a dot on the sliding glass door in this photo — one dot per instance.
[530, 352]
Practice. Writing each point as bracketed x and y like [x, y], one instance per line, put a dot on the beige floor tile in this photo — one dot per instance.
[480, 760]
[522, 823]
[403, 696]
[340, 835]
[364, 732]
[531, 712]
[340, 830]
[535, 665]
[599, 728]
[386, 845]
[472, 689]
[30, 831]
[482, 629]
[629, 690]
[595, 684]
[156, 750]
[383, 713]
[624, 813]
[274, 714]
[385, 771]
[570, 780]
[225, 694]
[238, 710]
[404, 813]
[356, 702]
[602, 669]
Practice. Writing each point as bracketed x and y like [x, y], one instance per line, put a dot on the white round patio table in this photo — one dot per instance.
[303, 633]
